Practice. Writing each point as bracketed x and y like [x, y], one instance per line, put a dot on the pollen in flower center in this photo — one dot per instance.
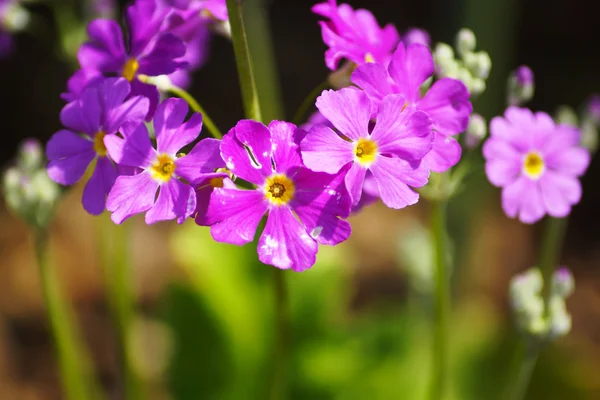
[163, 168]
[99, 146]
[130, 69]
[279, 189]
[533, 165]
[365, 151]
[369, 58]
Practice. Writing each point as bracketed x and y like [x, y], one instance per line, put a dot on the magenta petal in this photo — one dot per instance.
[105, 51]
[447, 104]
[373, 79]
[204, 158]
[532, 204]
[500, 149]
[131, 195]
[133, 110]
[286, 153]
[401, 131]
[171, 133]
[354, 182]
[409, 68]
[502, 172]
[176, 200]
[285, 243]
[562, 137]
[69, 156]
[318, 201]
[234, 214]
[393, 175]
[238, 160]
[98, 187]
[445, 153]
[161, 57]
[571, 161]
[323, 150]
[83, 115]
[138, 88]
[512, 195]
[257, 139]
[135, 150]
[348, 109]
[554, 199]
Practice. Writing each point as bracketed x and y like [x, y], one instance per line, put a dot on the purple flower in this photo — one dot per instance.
[216, 9]
[303, 206]
[148, 50]
[416, 35]
[354, 35]
[536, 162]
[524, 75]
[91, 120]
[446, 102]
[161, 168]
[391, 151]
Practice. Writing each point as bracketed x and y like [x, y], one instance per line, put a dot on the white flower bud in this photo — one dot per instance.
[465, 41]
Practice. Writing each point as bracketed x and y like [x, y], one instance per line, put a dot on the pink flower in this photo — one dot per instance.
[536, 162]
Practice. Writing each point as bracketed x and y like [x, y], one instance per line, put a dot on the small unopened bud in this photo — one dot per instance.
[563, 283]
[477, 86]
[592, 110]
[559, 317]
[340, 78]
[483, 65]
[521, 86]
[465, 41]
[566, 115]
[14, 17]
[589, 135]
[162, 82]
[415, 35]
[31, 155]
[443, 53]
[476, 131]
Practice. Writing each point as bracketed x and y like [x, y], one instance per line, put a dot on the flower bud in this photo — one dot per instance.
[483, 65]
[589, 135]
[465, 41]
[566, 115]
[563, 283]
[415, 35]
[31, 155]
[476, 131]
[559, 318]
[592, 109]
[521, 86]
[14, 17]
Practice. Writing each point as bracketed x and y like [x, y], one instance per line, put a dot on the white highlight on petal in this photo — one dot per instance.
[316, 232]
[270, 245]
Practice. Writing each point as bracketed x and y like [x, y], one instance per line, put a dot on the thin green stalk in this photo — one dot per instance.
[206, 120]
[114, 255]
[550, 251]
[243, 60]
[309, 101]
[442, 300]
[525, 360]
[71, 359]
[279, 384]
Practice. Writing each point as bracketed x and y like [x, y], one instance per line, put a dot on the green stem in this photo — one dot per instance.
[550, 251]
[525, 360]
[116, 263]
[71, 358]
[206, 120]
[309, 102]
[442, 300]
[278, 385]
[243, 60]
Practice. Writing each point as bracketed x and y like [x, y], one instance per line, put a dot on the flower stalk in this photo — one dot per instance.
[309, 102]
[206, 120]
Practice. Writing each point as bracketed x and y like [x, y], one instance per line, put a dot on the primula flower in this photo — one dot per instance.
[354, 35]
[148, 50]
[216, 9]
[446, 102]
[98, 114]
[536, 162]
[161, 168]
[303, 206]
[391, 151]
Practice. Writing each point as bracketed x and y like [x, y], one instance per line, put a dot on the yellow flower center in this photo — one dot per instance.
[365, 151]
[99, 146]
[163, 168]
[369, 58]
[533, 165]
[279, 189]
[130, 69]
[216, 182]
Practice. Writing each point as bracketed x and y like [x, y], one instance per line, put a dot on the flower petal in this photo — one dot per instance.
[204, 159]
[161, 57]
[409, 68]
[373, 79]
[238, 157]
[401, 131]
[445, 153]
[138, 88]
[131, 195]
[555, 201]
[570, 161]
[348, 109]
[105, 51]
[69, 156]
[323, 150]
[98, 187]
[171, 133]
[318, 201]
[447, 104]
[393, 175]
[83, 115]
[234, 214]
[176, 200]
[135, 150]
[285, 243]
[285, 150]
[354, 182]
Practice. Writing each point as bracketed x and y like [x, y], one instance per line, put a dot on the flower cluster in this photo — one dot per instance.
[380, 138]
